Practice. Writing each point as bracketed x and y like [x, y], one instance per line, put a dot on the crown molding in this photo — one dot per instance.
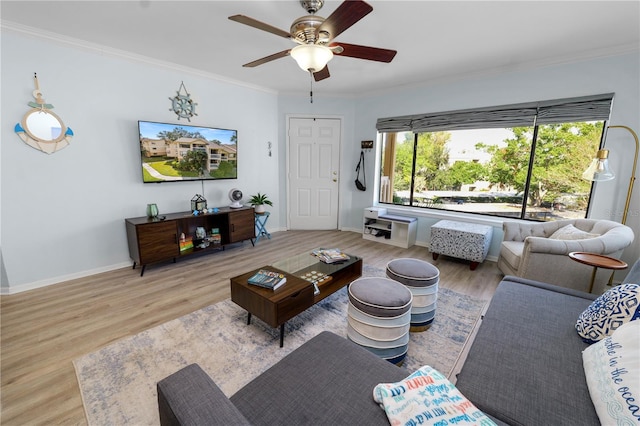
[120, 54]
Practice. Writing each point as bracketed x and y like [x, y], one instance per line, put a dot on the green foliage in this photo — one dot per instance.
[225, 169]
[464, 172]
[259, 198]
[431, 160]
[178, 133]
[562, 152]
[193, 161]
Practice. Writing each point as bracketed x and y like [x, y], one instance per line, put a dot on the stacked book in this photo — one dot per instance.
[267, 279]
[332, 255]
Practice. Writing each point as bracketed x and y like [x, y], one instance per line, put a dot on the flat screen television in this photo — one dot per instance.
[180, 152]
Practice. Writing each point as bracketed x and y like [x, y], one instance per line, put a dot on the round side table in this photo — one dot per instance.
[597, 261]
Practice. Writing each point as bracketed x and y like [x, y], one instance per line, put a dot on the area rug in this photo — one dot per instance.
[118, 382]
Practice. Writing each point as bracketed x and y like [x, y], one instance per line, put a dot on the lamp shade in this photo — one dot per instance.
[311, 57]
[599, 170]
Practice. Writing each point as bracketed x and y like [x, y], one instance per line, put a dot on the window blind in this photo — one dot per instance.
[587, 108]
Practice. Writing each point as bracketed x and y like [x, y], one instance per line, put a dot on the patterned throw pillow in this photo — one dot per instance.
[617, 306]
[427, 397]
[570, 232]
[612, 370]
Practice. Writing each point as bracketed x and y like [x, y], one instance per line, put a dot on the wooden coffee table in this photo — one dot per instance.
[276, 307]
[597, 261]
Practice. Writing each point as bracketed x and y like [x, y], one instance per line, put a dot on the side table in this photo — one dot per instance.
[261, 223]
[597, 261]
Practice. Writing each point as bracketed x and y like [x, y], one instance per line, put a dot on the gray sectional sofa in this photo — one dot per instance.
[524, 368]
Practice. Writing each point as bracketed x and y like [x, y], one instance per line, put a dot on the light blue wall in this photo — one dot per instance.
[63, 214]
[619, 74]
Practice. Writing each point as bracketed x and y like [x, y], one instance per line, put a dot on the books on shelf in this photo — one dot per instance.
[268, 279]
[331, 255]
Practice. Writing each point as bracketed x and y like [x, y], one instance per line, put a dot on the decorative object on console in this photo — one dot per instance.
[235, 195]
[198, 203]
[42, 129]
[599, 170]
[182, 104]
[152, 211]
[258, 201]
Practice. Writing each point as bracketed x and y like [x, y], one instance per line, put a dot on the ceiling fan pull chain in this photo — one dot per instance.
[311, 86]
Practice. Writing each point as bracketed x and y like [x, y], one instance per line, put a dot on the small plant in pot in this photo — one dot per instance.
[259, 201]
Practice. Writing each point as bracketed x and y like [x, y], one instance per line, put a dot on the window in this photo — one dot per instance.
[523, 161]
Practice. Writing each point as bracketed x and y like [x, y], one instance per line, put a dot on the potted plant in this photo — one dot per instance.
[259, 201]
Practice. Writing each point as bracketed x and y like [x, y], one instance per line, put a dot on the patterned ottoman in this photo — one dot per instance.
[421, 278]
[463, 240]
[378, 317]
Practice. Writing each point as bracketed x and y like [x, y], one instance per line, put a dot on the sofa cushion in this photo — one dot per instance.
[615, 307]
[511, 252]
[612, 367]
[570, 232]
[326, 381]
[427, 397]
[380, 297]
[525, 364]
[190, 397]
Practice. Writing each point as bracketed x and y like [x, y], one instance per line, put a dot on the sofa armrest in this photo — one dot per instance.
[190, 397]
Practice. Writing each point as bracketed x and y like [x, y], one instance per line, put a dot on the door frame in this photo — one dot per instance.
[288, 118]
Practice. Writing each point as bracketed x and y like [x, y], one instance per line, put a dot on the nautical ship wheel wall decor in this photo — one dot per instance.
[182, 104]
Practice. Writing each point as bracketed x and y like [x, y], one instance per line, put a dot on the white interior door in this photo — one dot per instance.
[314, 160]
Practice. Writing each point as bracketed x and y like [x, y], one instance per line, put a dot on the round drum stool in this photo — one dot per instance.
[378, 317]
[421, 278]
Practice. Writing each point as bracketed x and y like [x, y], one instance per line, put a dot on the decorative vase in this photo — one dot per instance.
[259, 208]
[152, 210]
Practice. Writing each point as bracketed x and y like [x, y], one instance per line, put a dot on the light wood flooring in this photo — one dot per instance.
[43, 330]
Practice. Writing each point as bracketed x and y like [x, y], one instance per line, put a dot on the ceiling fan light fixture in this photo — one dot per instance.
[311, 57]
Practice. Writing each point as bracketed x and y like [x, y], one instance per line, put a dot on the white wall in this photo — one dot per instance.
[63, 214]
[617, 74]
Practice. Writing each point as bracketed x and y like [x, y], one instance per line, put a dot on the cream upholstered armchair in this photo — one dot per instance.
[539, 251]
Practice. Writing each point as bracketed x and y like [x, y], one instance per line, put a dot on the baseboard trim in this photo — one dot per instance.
[60, 279]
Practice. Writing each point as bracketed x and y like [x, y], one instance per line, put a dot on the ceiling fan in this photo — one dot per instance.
[315, 36]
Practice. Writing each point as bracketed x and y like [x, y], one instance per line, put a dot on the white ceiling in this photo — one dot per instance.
[435, 40]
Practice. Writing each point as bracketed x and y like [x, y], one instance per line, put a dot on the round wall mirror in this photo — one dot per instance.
[43, 125]
[42, 129]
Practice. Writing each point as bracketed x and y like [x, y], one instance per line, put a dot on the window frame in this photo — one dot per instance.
[561, 111]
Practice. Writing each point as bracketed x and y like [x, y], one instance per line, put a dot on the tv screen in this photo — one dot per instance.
[179, 152]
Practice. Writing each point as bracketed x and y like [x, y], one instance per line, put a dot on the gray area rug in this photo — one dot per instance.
[118, 382]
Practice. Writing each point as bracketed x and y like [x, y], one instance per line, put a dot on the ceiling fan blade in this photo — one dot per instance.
[260, 25]
[268, 59]
[322, 74]
[365, 52]
[347, 14]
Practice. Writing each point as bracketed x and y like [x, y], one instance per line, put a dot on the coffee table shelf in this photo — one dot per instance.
[276, 307]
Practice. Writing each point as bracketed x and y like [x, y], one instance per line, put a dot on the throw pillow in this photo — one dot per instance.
[615, 307]
[570, 232]
[427, 397]
[612, 370]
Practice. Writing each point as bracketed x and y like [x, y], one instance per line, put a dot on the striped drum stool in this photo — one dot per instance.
[378, 317]
[421, 278]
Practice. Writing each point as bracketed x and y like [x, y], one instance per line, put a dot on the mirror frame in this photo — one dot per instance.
[63, 127]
